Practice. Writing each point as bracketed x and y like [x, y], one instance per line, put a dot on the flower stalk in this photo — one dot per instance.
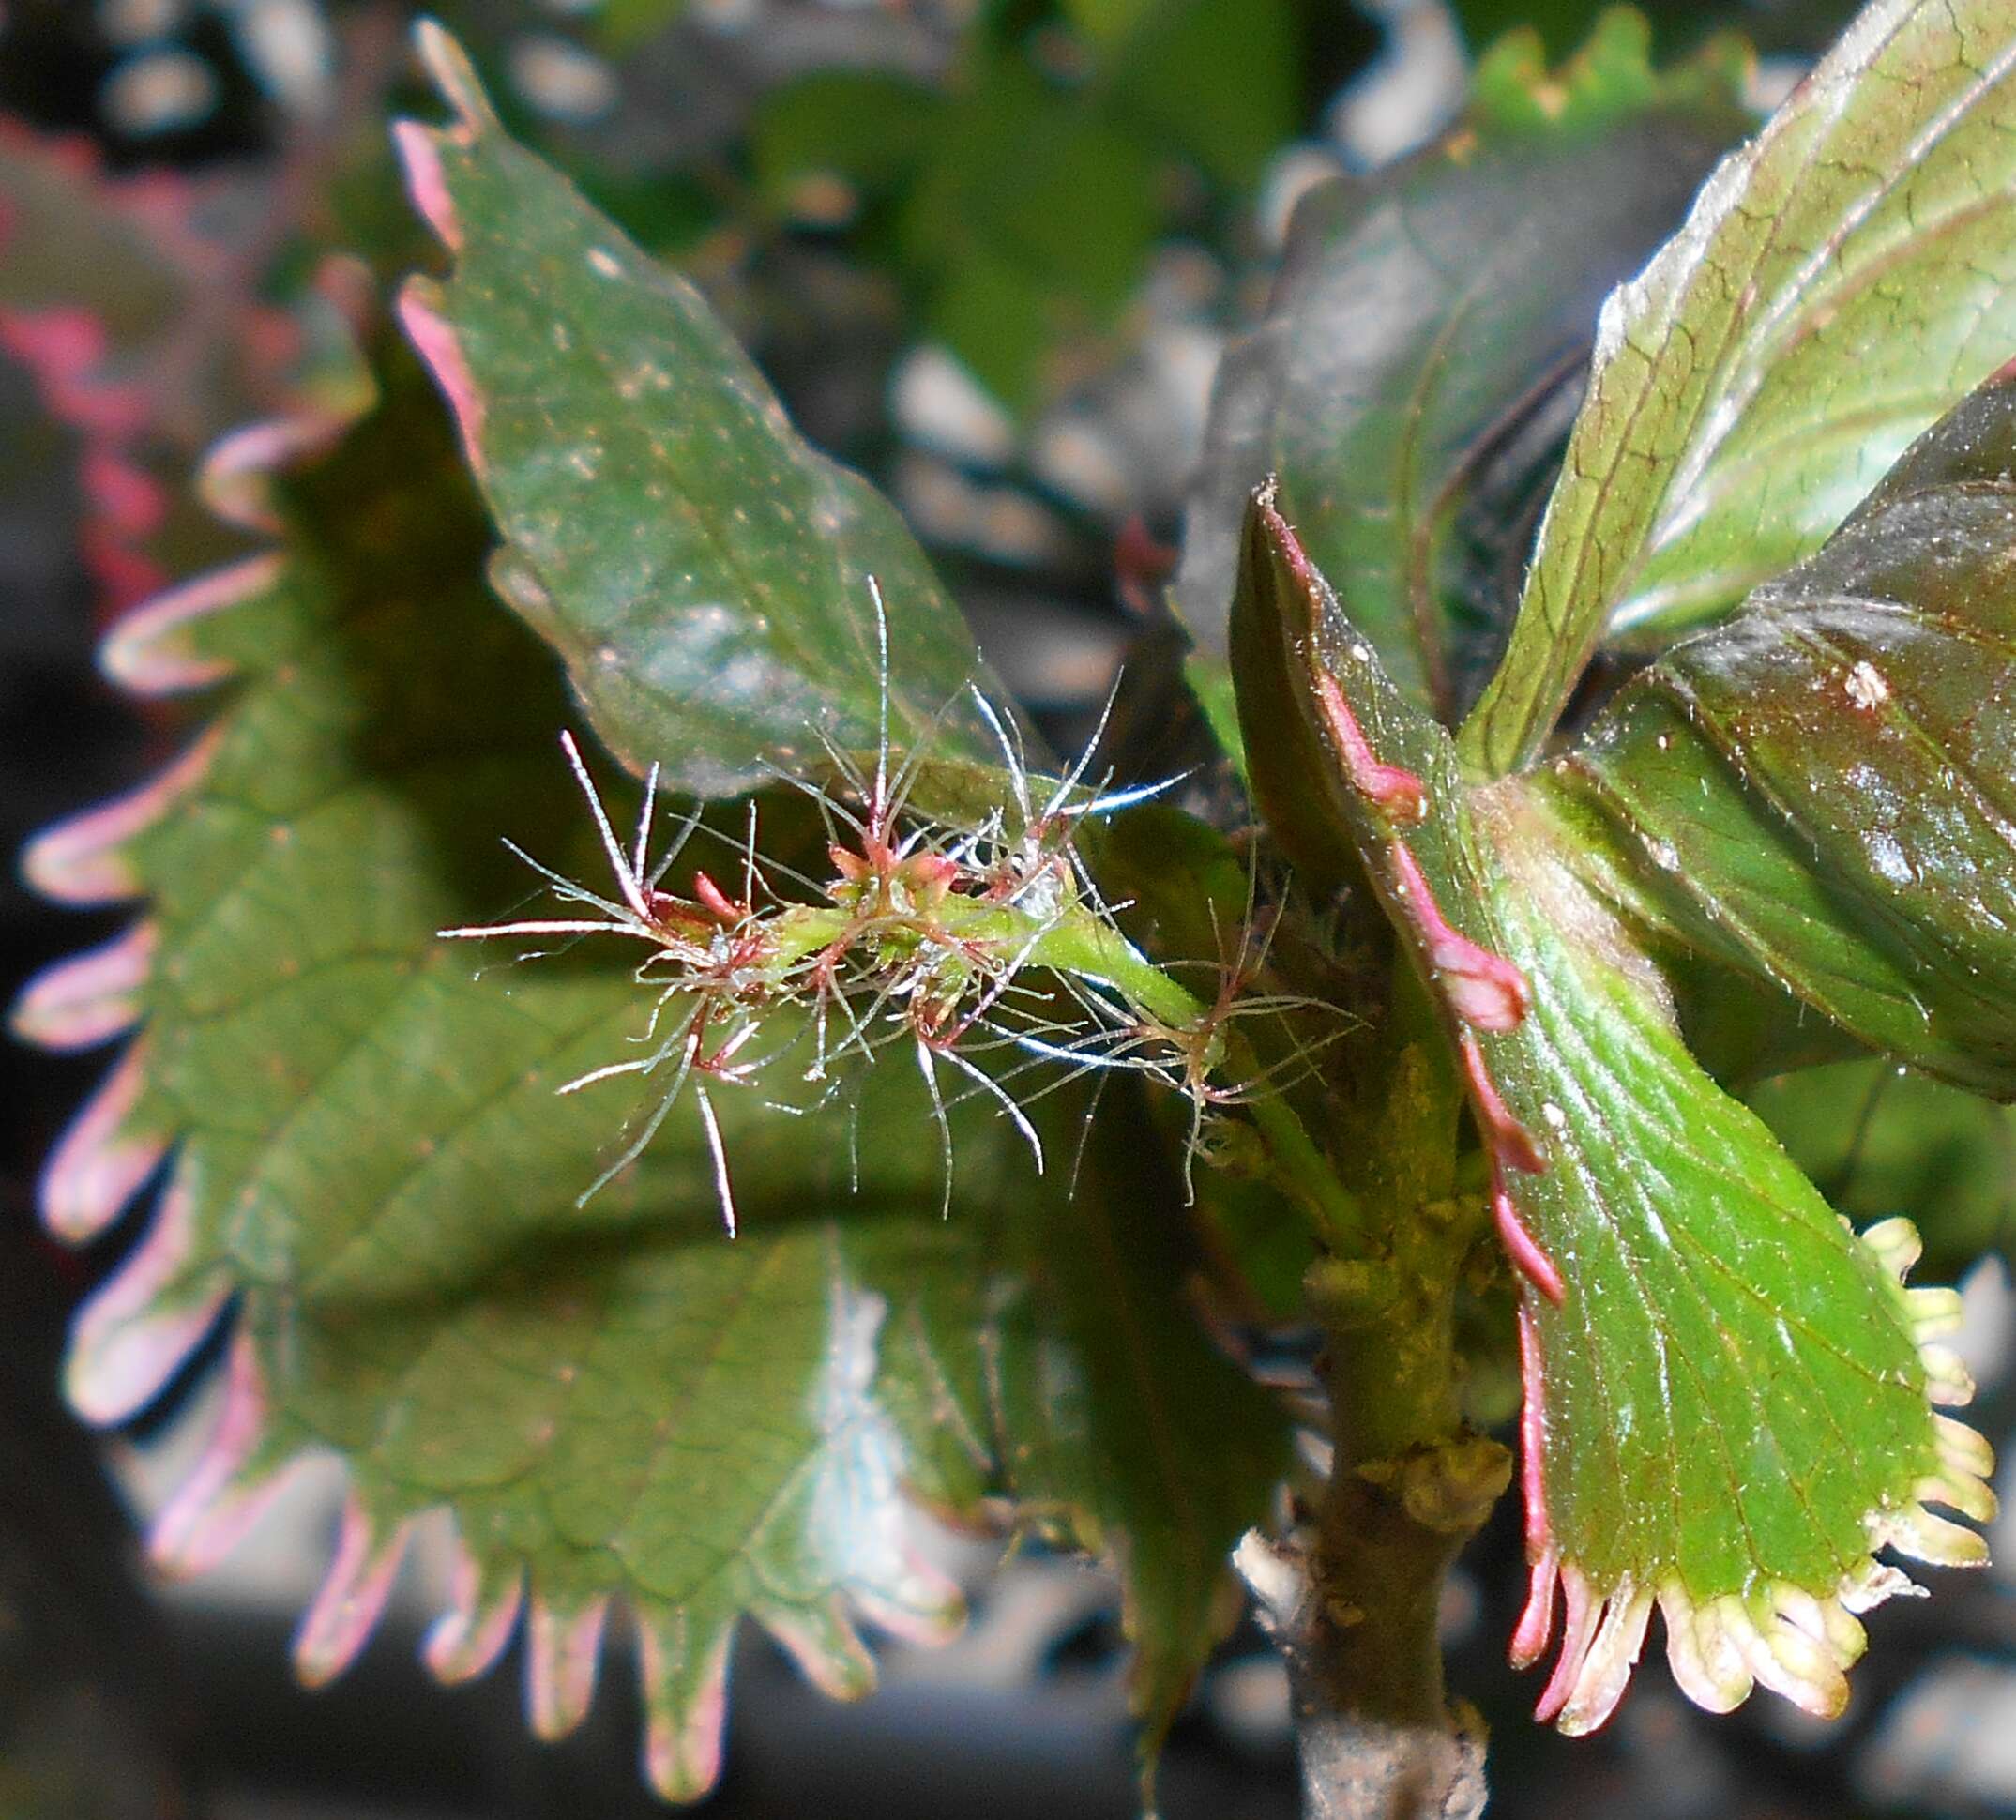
[991, 940]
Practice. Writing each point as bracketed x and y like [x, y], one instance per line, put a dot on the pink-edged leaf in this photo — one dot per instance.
[1728, 1395]
[1842, 280]
[708, 576]
[632, 1418]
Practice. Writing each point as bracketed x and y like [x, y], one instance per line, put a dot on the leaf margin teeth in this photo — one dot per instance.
[1797, 1643]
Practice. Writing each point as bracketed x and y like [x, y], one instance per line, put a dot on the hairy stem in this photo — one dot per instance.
[1082, 945]
[1094, 949]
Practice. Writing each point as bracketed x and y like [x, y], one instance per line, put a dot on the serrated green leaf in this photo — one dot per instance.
[1610, 79]
[612, 1399]
[1422, 352]
[1842, 282]
[704, 571]
[1727, 1405]
[1818, 790]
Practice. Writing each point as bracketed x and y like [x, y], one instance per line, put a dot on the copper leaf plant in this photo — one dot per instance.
[652, 1053]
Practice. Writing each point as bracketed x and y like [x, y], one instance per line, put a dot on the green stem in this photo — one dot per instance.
[1090, 948]
[1079, 944]
[1301, 1170]
[1355, 1607]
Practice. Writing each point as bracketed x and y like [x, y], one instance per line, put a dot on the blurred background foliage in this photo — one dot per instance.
[989, 251]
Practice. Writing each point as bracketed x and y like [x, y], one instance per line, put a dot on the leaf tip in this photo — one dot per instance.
[1484, 989]
[151, 651]
[88, 858]
[346, 1610]
[228, 1489]
[449, 69]
[563, 1648]
[685, 1689]
[826, 1647]
[1508, 1142]
[1606, 1666]
[470, 1636]
[236, 480]
[137, 1326]
[1535, 1628]
[1896, 1244]
[91, 997]
[104, 1156]
[1913, 1531]
[1394, 792]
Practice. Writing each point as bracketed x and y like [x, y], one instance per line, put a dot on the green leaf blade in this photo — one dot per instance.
[1819, 789]
[1420, 359]
[704, 571]
[1721, 1328]
[613, 1401]
[1727, 1400]
[1848, 269]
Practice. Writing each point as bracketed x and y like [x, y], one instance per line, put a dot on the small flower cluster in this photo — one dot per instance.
[957, 939]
